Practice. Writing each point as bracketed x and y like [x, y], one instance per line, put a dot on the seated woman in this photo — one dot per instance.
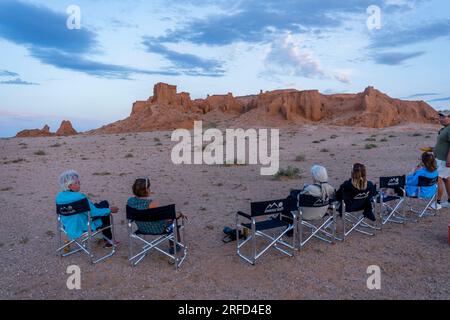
[76, 225]
[142, 201]
[319, 189]
[359, 190]
[427, 169]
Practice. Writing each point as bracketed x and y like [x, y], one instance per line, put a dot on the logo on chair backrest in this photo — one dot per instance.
[362, 195]
[67, 210]
[274, 208]
[320, 203]
[394, 182]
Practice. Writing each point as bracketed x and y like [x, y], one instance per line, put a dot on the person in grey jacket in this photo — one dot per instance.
[320, 187]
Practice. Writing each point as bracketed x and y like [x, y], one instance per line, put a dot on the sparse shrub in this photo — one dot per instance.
[370, 146]
[289, 173]
[105, 173]
[324, 150]
[128, 155]
[334, 136]
[5, 189]
[371, 139]
[56, 145]
[300, 158]
[40, 153]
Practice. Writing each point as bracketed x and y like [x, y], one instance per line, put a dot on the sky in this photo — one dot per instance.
[88, 61]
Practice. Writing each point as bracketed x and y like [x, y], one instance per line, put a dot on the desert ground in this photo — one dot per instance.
[414, 258]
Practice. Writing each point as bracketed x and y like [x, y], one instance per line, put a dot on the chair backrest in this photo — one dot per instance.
[427, 182]
[393, 182]
[356, 201]
[156, 214]
[74, 208]
[308, 201]
[265, 208]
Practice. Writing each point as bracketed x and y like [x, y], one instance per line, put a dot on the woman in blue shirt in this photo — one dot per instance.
[76, 225]
[427, 169]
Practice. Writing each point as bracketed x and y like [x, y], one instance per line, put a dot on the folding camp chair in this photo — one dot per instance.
[425, 182]
[168, 235]
[313, 209]
[282, 217]
[83, 243]
[391, 206]
[352, 214]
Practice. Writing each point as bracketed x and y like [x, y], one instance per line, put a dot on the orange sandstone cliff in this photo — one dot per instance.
[167, 109]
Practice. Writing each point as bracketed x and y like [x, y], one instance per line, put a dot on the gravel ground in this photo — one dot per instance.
[414, 258]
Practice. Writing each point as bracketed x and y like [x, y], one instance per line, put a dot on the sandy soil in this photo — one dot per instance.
[414, 258]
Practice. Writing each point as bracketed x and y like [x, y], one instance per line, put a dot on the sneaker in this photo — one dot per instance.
[437, 206]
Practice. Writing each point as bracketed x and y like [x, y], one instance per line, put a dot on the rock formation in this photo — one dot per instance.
[44, 132]
[167, 109]
[65, 129]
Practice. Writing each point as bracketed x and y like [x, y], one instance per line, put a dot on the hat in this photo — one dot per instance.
[444, 113]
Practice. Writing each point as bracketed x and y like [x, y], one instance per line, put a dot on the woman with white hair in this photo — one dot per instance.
[76, 225]
[320, 187]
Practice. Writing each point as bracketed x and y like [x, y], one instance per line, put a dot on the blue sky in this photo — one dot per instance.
[93, 75]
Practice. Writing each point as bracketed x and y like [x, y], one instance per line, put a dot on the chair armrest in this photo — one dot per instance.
[242, 214]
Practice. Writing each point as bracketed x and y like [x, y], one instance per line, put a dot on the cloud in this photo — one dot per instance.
[32, 25]
[287, 57]
[18, 81]
[6, 73]
[188, 63]
[419, 95]
[16, 78]
[395, 58]
[45, 34]
[419, 32]
[440, 99]
[67, 61]
[254, 21]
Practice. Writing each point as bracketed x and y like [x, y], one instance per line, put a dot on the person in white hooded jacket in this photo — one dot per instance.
[320, 187]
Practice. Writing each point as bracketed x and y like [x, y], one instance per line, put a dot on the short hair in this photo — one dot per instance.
[140, 187]
[67, 178]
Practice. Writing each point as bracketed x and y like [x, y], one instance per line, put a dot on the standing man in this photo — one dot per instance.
[442, 153]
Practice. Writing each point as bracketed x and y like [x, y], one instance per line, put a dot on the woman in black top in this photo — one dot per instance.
[357, 192]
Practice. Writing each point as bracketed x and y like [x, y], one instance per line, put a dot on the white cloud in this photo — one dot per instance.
[287, 57]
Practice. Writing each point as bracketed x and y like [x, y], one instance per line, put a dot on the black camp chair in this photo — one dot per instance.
[313, 211]
[282, 220]
[83, 243]
[156, 215]
[352, 209]
[391, 206]
[425, 182]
